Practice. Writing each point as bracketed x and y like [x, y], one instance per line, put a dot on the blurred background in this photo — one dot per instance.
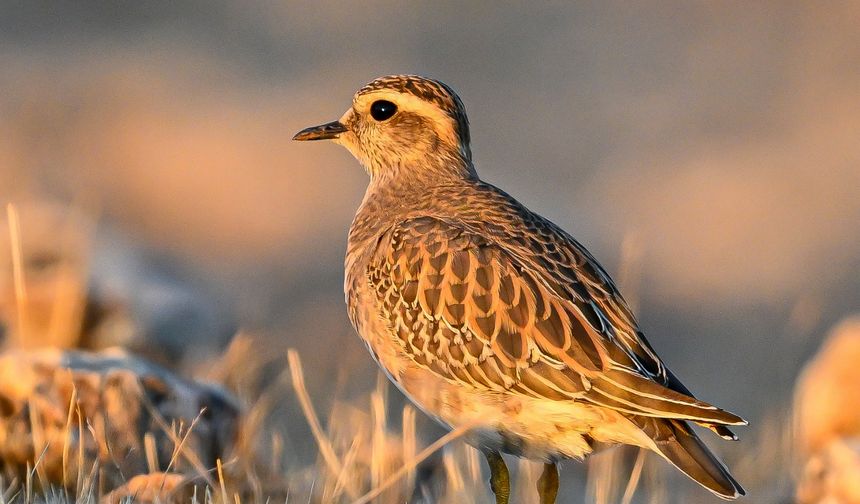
[706, 153]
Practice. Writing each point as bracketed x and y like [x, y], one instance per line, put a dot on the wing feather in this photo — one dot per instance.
[538, 318]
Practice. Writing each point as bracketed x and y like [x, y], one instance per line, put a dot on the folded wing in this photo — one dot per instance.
[537, 318]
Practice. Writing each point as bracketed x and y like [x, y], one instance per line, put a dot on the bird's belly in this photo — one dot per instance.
[536, 428]
[540, 429]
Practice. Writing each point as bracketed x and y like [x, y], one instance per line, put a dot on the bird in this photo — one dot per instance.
[491, 318]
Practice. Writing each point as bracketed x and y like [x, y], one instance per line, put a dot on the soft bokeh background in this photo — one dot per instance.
[707, 153]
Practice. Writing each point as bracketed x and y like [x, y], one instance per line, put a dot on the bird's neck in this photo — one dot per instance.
[441, 164]
[404, 191]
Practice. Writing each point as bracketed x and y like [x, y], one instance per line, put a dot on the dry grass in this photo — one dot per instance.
[367, 452]
[363, 457]
[737, 188]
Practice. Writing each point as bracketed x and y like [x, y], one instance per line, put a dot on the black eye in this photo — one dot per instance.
[382, 110]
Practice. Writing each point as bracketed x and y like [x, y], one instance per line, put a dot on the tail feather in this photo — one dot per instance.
[677, 443]
[720, 430]
[638, 395]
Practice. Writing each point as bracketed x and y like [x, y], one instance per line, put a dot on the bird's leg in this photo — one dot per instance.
[500, 479]
[547, 484]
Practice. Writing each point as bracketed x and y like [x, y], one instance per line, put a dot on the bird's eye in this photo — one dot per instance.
[382, 110]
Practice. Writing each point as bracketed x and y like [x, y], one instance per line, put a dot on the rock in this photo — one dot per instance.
[153, 305]
[827, 402]
[827, 420]
[92, 287]
[144, 488]
[832, 475]
[128, 415]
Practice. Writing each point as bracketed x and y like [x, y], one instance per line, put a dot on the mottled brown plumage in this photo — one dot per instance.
[482, 311]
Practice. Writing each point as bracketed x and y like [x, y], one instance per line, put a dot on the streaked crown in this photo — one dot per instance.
[429, 90]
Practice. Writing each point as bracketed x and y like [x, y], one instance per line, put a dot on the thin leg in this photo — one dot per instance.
[547, 484]
[500, 479]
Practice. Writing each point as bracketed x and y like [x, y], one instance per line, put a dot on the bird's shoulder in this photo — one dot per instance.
[483, 215]
[475, 259]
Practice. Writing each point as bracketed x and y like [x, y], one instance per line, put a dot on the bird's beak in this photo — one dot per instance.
[322, 132]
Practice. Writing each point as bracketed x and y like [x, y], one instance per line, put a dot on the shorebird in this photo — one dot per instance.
[488, 315]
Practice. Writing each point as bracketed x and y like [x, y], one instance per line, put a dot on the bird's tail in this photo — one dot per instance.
[676, 442]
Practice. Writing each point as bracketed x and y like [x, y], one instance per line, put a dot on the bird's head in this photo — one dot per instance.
[403, 125]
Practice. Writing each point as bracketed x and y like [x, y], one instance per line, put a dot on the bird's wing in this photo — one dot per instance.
[541, 324]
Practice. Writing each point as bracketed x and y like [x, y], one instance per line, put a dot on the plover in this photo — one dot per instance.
[486, 314]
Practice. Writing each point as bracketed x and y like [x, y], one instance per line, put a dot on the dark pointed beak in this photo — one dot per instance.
[322, 132]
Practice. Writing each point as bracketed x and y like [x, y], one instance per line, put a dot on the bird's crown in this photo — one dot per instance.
[428, 90]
